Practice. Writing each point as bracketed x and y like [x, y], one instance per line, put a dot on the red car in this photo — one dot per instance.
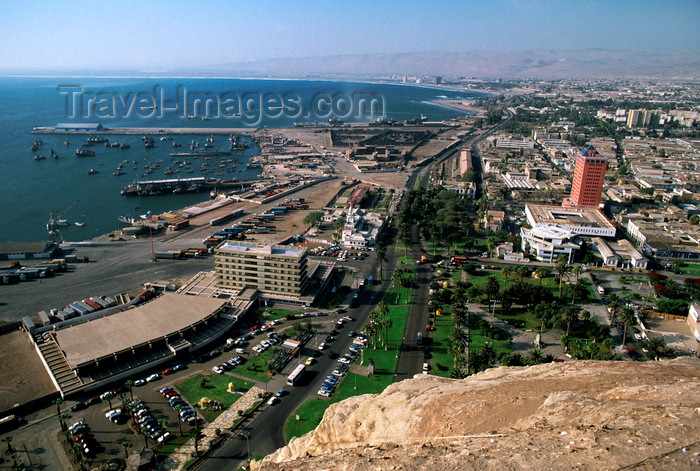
[167, 371]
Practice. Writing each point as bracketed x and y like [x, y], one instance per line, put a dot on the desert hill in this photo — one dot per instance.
[541, 64]
[572, 415]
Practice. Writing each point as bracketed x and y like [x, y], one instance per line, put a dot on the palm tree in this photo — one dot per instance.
[57, 402]
[577, 270]
[568, 316]
[178, 409]
[491, 287]
[108, 397]
[522, 270]
[541, 273]
[85, 463]
[578, 289]
[562, 270]
[396, 279]
[460, 315]
[62, 419]
[145, 436]
[380, 254]
[126, 444]
[627, 318]
[506, 271]
[163, 423]
[129, 383]
[534, 356]
[8, 439]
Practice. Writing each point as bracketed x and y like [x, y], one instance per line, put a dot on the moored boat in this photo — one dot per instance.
[82, 152]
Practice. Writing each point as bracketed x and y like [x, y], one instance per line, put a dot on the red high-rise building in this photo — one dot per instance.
[589, 175]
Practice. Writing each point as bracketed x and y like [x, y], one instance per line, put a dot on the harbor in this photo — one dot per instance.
[99, 129]
[185, 185]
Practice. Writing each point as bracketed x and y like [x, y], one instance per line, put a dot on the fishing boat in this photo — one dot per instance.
[92, 171]
[66, 142]
[82, 152]
[39, 157]
[63, 222]
[128, 220]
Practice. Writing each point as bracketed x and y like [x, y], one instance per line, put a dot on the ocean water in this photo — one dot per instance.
[30, 190]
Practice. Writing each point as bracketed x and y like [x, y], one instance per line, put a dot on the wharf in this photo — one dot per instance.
[185, 185]
[141, 131]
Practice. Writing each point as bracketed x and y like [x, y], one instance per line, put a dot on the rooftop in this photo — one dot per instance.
[164, 315]
[288, 251]
[565, 216]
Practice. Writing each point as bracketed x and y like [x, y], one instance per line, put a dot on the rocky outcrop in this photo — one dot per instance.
[572, 415]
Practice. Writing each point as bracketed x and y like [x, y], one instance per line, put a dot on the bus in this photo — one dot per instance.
[298, 372]
[8, 423]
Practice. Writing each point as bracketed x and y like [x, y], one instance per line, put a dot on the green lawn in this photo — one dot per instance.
[274, 313]
[692, 269]
[441, 362]
[519, 317]
[256, 367]
[333, 300]
[215, 388]
[407, 261]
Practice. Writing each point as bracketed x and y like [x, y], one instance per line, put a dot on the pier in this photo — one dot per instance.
[181, 185]
[95, 130]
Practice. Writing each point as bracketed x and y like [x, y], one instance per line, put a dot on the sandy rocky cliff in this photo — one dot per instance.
[572, 415]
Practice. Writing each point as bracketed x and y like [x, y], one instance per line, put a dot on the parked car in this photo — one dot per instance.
[153, 377]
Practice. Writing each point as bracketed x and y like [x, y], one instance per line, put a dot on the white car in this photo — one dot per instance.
[217, 369]
[273, 400]
[426, 367]
[323, 392]
[153, 377]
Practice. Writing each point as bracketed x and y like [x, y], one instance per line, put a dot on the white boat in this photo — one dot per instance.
[79, 224]
[63, 222]
[128, 220]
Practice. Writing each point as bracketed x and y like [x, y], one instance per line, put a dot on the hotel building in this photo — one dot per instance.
[589, 174]
[273, 270]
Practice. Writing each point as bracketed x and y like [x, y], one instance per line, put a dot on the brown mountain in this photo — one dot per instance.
[560, 416]
[545, 64]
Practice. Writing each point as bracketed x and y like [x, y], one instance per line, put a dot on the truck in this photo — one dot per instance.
[423, 259]
[230, 343]
[178, 224]
[458, 260]
[167, 255]
[601, 290]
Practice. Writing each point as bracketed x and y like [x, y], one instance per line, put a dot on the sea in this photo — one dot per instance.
[31, 190]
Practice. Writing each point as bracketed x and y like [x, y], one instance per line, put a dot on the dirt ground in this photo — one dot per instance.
[24, 378]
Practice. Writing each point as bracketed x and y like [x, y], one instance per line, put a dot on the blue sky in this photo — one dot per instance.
[166, 34]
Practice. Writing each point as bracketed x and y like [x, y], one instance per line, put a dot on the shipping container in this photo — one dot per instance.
[167, 255]
[44, 318]
[77, 308]
[28, 323]
[100, 301]
[87, 307]
[93, 304]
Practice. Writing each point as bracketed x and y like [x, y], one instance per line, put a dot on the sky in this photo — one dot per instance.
[157, 34]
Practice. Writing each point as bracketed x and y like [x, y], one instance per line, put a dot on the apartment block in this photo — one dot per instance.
[273, 270]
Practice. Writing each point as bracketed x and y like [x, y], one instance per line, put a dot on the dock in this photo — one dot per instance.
[181, 185]
[139, 130]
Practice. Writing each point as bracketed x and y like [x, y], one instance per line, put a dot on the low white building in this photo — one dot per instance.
[549, 242]
[361, 230]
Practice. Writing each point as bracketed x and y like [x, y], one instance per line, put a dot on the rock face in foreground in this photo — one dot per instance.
[572, 415]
